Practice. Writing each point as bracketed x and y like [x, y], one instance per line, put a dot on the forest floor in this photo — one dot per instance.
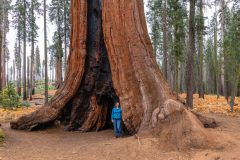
[56, 144]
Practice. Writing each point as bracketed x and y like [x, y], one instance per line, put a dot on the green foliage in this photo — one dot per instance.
[59, 14]
[177, 18]
[232, 51]
[17, 17]
[18, 22]
[154, 20]
[5, 9]
[56, 49]
[24, 104]
[9, 97]
[40, 87]
[33, 7]
[19, 12]
[210, 69]
[1, 135]
[232, 41]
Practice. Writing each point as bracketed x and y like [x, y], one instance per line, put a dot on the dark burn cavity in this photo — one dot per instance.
[96, 81]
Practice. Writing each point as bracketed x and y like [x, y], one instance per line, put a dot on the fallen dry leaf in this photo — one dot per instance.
[212, 104]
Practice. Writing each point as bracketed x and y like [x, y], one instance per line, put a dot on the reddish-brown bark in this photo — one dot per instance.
[85, 99]
[58, 76]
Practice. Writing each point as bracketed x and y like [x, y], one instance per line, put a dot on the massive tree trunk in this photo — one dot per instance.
[111, 59]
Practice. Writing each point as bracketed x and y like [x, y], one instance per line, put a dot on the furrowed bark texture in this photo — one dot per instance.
[58, 75]
[95, 96]
[190, 55]
[136, 76]
[53, 109]
[111, 58]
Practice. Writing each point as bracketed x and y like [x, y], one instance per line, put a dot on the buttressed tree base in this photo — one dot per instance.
[111, 59]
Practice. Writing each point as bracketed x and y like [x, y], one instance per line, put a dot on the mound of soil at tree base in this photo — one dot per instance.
[179, 129]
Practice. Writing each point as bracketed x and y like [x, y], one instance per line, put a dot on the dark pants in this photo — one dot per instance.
[117, 127]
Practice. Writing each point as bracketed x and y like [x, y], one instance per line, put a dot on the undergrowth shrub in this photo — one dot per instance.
[9, 98]
[1, 135]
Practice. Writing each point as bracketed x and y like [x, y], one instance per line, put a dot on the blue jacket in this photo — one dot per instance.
[116, 113]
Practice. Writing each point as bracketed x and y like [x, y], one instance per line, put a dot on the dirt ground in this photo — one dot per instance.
[57, 144]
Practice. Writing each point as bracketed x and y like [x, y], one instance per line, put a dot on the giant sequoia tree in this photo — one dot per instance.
[111, 58]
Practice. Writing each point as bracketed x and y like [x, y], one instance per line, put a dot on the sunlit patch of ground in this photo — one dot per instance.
[7, 115]
[52, 92]
[212, 104]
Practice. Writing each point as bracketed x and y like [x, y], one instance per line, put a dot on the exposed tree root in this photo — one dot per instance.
[206, 121]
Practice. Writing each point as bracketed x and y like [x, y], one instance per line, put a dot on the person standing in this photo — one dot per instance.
[117, 119]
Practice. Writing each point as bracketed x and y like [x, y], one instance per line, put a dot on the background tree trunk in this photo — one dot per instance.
[19, 81]
[24, 54]
[1, 60]
[32, 50]
[222, 55]
[65, 36]
[3, 46]
[132, 76]
[4, 59]
[14, 73]
[201, 50]
[215, 60]
[28, 77]
[45, 52]
[190, 56]
[165, 39]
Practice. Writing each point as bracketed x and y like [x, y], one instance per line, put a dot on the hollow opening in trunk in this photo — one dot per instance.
[90, 109]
